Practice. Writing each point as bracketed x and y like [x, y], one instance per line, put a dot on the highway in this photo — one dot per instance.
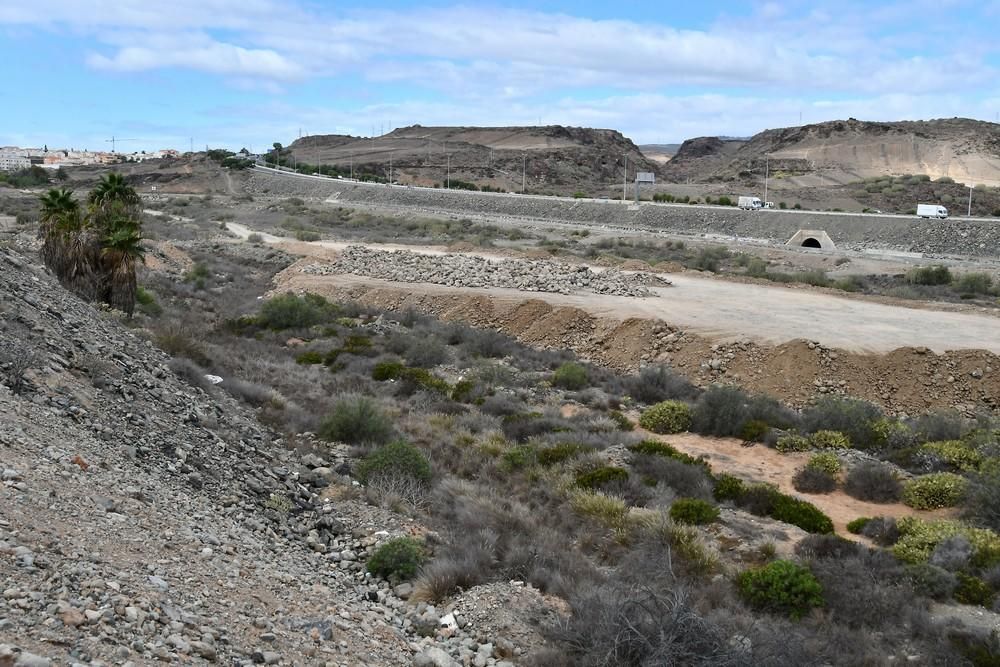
[610, 202]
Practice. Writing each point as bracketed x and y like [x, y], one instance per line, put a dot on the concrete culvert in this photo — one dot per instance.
[812, 238]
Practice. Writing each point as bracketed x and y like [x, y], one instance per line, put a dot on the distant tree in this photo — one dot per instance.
[62, 174]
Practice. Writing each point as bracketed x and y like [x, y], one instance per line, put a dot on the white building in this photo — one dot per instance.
[10, 161]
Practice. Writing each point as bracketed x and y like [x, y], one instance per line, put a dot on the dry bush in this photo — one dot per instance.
[621, 625]
[14, 363]
[689, 481]
[874, 482]
[659, 383]
[811, 480]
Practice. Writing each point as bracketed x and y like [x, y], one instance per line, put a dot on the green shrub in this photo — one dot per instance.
[387, 370]
[918, 538]
[657, 448]
[934, 491]
[792, 443]
[973, 590]
[825, 461]
[397, 560]
[423, 378]
[693, 511]
[955, 453]
[853, 418]
[829, 440]
[147, 302]
[666, 417]
[396, 459]
[623, 422]
[800, 513]
[598, 477]
[288, 311]
[754, 430]
[558, 453]
[857, 525]
[309, 358]
[570, 376]
[356, 421]
[463, 391]
[929, 275]
[520, 456]
[781, 587]
[974, 283]
[728, 487]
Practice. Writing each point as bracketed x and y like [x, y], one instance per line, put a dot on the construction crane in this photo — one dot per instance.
[113, 139]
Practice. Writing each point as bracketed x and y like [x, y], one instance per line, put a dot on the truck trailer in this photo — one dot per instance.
[750, 203]
[932, 211]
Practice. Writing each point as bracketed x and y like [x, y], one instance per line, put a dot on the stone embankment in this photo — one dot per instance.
[980, 238]
[471, 271]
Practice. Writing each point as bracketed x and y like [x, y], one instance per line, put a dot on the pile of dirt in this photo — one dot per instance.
[906, 381]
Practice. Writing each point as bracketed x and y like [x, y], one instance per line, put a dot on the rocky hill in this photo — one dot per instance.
[842, 151]
[553, 158]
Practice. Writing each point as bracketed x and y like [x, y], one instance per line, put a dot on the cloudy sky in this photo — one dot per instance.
[250, 72]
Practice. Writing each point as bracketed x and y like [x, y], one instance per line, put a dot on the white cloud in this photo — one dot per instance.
[215, 57]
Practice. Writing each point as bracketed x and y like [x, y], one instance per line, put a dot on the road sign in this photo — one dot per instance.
[645, 177]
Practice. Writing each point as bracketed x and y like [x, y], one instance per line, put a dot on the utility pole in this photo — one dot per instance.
[524, 171]
[352, 165]
[390, 168]
[969, 214]
[448, 177]
[192, 144]
[767, 167]
[625, 180]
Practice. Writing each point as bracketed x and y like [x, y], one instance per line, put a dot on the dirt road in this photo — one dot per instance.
[724, 310]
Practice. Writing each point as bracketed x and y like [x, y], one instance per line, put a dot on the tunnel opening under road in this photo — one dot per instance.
[811, 243]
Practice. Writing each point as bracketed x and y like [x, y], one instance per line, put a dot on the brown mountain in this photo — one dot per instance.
[838, 152]
[554, 158]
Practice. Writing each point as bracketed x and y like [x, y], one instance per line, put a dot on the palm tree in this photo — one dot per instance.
[120, 252]
[113, 188]
[60, 221]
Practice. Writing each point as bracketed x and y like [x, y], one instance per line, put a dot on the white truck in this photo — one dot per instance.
[932, 211]
[750, 203]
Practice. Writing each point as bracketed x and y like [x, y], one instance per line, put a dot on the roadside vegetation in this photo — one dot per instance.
[464, 430]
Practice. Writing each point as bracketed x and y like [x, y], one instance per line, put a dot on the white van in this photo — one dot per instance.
[932, 211]
[750, 203]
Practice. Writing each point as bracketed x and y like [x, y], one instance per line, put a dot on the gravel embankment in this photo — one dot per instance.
[471, 271]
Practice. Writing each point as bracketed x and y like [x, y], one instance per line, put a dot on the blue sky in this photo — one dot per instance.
[250, 72]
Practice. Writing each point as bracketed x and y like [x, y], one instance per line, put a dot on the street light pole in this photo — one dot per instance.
[625, 180]
[448, 177]
[767, 169]
[969, 214]
[524, 171]
[390, 168]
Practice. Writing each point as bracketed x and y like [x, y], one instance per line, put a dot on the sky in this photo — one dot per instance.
[247, 73]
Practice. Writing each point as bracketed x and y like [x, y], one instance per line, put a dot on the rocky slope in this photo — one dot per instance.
[842, 151]
[142, 519]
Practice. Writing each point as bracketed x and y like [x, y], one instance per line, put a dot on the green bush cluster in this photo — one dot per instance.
[973, 590]
[792, 443]
[598, 477]
[623, 422]
[781, 587]
[934, 491]
[824, 461]
[666, 417]
[754, 430]
[397, 560]
[396, 459]
[356, 421]
[918, 538]
[829, 440]
[857, 525]
[519, 456]
[420, 377]
[929, 275]
[766, 500]
[558, 453]
[955, 453]
[693, 511]
[309, 358]
[288, 311]
[657, 448]
[570, 376]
